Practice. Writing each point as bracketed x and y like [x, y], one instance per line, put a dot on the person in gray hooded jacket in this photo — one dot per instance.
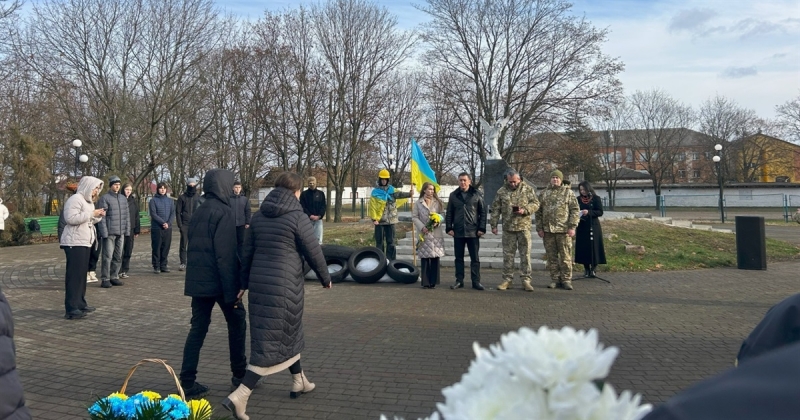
[115, 227]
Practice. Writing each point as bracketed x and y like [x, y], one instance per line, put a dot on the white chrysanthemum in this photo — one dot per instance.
[497, 395]
[549, 357]
[434, 416]
[626, 407]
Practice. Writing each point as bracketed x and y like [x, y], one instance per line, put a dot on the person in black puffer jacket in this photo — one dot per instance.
[12, 400]
[212, 277]
[279, 238]
[136, 229]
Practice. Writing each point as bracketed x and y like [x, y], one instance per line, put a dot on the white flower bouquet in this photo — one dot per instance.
[540, 375]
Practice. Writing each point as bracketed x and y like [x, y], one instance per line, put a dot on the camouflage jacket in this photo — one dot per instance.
[558, 210]
[524, 197]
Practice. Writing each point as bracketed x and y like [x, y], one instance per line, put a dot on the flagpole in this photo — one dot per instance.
[413, 234]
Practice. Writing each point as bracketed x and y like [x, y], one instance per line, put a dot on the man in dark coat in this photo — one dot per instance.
[240, 205]
[212, 277]
[780, 327]
[314, 205]
[187, 203]
[12, 400]
[765, 387]
[465, 221]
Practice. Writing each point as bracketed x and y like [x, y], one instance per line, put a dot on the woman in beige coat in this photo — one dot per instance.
[76, 240]
[432, 248]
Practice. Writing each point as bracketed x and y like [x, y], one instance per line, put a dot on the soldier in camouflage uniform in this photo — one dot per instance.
[556, 220]
[516, 202]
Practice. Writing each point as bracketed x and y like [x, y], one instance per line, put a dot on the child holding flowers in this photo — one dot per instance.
[427, 218]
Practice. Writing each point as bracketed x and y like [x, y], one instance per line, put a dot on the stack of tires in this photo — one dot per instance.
[366, 265]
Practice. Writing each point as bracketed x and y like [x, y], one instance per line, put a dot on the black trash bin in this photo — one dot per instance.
[751, 243]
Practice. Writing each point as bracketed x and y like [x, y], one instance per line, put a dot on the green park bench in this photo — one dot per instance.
[48, 225]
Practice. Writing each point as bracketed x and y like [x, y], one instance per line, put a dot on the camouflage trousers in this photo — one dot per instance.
[513, 241]
[558, 247]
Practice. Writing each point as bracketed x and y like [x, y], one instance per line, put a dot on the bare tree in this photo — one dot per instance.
[361, 45]
[723, 121]
[529, 61]
[789, 119]
[120, 69]
[659, 125]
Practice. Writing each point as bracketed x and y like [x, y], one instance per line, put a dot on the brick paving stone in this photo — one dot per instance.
[371, 349]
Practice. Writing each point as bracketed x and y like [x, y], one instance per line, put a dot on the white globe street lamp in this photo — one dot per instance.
[718, 161]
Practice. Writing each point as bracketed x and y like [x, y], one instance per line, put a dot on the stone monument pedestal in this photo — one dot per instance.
[493, 171]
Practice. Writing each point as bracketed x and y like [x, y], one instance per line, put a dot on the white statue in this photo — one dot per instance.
[493, 135]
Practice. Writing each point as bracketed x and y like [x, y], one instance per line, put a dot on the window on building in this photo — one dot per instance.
[681, 174]
[695, 156]
[353, 194]
[629, 155]
[707, 155]
[695, 174]
[681, 156]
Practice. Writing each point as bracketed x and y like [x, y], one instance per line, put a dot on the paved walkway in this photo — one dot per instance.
[371, 349]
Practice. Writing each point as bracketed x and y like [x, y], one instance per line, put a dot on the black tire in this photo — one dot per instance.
[367, 277]
[394, 267]
[338, 276]
[338, 251]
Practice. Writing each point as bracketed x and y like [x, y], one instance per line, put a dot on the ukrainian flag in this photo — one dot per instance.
[378, 200]
[421, 171]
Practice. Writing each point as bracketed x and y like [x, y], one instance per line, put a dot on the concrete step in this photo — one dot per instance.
[491, 262]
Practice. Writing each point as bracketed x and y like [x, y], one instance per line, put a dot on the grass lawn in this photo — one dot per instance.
[672, 248]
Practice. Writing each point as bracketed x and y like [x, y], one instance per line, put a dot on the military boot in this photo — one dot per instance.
[527, 286]
[567, 285]
[504, 285]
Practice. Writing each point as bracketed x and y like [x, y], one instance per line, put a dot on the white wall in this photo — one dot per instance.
[735, 196]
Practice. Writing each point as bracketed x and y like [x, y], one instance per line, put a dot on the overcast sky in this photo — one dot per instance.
[746, 50]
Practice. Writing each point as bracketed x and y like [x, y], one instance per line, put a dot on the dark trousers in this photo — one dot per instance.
[384, 240]
[127, 252]
[75, 278]
[95, 251]
[430, 272]
[235, 316]
[160, 240]
[184, 243]
[473, 246]
[239, 240]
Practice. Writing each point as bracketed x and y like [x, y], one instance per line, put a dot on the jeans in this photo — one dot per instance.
[184, 243]
[235, 316]
[127, 252]
[384, 240]
[112, 257]
[317, 229]
[75, 278]
[160, 240]
[473, 245]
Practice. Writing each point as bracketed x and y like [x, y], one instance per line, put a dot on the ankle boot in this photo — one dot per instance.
[526, 284]
[300, 385]
[504, 285]
[592, 273]
[585, 271]
[477, 285]
[458, 285]
[236, 402]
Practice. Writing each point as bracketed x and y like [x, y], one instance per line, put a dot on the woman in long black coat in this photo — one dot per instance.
[589, 227]
[279, 238]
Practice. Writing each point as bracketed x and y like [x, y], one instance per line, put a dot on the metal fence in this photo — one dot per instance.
[707, 206]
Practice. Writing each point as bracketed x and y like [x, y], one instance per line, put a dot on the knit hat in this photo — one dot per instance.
[114, 180]
[191, 180]
[557, 173]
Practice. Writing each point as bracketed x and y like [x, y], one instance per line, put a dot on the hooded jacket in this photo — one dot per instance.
[12, 400]
[187, 203]
[466, 213]
[79, 215]
[279, 238]
[211, 262]
[3, 215]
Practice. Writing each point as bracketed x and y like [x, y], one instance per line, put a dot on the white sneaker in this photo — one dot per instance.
[91, 277]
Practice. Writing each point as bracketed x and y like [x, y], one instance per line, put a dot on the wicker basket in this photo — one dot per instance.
[158, 361]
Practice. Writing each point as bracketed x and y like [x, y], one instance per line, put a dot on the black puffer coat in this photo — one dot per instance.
[12, 401]
[280, 236]
[212, 267]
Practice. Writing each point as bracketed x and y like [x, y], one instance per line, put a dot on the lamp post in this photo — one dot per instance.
[392, 167]
[718, 161]
[78, 156]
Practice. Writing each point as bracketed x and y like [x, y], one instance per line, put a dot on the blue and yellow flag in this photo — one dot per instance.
[421, 171]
